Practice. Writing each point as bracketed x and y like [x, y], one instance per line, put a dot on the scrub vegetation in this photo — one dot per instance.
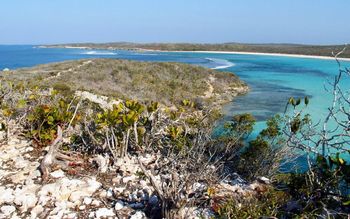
[153, 109]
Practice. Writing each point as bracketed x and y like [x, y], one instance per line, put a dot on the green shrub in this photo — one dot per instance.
[266, 204]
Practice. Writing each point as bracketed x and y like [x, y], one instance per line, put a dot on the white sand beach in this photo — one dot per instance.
[262, 54]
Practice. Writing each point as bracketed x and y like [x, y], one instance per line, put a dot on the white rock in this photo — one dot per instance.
[109, 193]
[103, 194]
[119, 190]
[92, 215]
[26, 197]
[104, 212]
[61, 205]
[204, 213]
[29, 149]
[87, 200]
[6, 196]
[128, 179]
[102, 163]
[57, 174]
[96, 203]
[15, 216]
[43, 200]
[7, 210]
[71, 215]
[138, 215]
[198, 187]
[6, 69]
[116, 180]
[93, 185]
[28, 201]
[20, 162]
[36, 211]
[119, 205]
[48, 189]
[82, 207]
[264, 180]
[143, 183]
[77, 195]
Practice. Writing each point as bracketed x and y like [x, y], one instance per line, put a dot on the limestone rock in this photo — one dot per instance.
[36, 211]
[102, 163]
[104, 212]
[6, 196]
[96, 203]
[138, 215]
[87, 200]
[7, 210]
[128, 179]
[77, 195]
[119, 205]
[57, 174]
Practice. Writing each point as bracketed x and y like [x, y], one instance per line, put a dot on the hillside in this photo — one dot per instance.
[91, 156]
[168, 83]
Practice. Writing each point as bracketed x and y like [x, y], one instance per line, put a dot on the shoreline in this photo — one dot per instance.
[212, 52]
[260, 54]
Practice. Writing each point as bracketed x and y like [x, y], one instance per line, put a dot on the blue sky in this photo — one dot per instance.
[250, 21]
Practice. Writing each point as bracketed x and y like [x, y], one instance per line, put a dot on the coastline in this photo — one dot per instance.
[261, 54]
[212, 52]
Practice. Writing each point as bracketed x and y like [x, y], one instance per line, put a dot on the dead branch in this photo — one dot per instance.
[54, 156]
[49, 159]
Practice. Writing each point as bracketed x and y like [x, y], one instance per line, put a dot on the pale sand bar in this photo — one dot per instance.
[262, 54]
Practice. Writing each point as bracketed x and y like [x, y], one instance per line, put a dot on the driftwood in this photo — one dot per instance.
[54, 156]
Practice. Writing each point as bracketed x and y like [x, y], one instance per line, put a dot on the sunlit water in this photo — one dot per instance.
[272, 79]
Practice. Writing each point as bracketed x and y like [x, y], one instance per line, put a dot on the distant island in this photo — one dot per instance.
[291, 49]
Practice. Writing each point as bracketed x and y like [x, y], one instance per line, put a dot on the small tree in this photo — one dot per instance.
[325, 146]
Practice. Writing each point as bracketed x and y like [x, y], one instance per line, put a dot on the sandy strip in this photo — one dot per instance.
[261, 54]
[219, 52]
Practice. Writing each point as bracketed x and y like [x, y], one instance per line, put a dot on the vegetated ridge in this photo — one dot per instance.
[297, 49]
[167, 83]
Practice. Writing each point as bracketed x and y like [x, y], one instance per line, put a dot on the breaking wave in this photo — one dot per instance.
[99, 53]
[220, 63]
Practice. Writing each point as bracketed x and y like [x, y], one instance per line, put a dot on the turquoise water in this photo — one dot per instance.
[272, 79]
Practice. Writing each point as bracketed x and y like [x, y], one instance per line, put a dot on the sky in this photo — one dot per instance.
[191, 21]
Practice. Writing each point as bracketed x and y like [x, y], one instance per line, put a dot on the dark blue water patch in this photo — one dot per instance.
[276, 67]
[264, 100]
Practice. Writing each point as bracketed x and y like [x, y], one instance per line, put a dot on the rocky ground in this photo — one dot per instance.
[96, 186]
[106, 191]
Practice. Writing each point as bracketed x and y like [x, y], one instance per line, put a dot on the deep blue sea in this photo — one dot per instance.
[272, 79]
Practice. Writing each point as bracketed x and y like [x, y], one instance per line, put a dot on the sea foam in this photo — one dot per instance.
[221, 63]
[99, 53]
